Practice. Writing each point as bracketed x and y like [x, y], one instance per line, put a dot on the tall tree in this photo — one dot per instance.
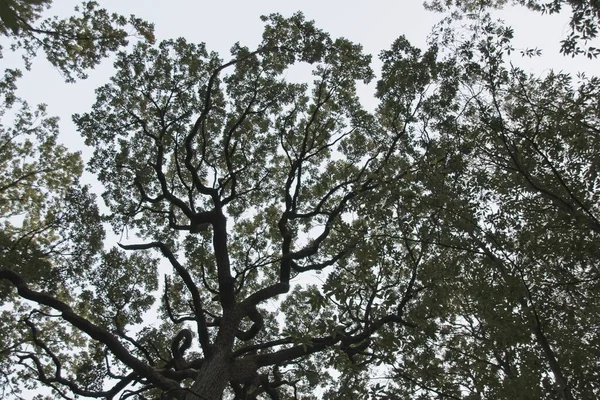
[455, 228]
[510, 173]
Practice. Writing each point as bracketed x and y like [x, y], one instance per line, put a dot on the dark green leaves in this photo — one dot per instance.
[72, 45]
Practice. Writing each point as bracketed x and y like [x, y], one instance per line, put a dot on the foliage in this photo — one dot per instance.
[584, 21]
[72, 45]
[16, 15]
[512, 172]
[39, 192]
[49, 223]
[453, 232]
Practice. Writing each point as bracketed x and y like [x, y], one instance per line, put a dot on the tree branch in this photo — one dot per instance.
[189, 283]
[93, 331]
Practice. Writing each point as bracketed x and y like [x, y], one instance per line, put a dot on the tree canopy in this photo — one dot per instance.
[453, 232]
[583, 24]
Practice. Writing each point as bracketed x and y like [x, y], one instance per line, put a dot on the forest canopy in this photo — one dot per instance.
[279, 240]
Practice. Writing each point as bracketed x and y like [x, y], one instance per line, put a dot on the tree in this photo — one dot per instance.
[512, 174]
[72, 45]
[455, 228]
[16, 15]
[39, 177]
[585, 17]
[49, 222]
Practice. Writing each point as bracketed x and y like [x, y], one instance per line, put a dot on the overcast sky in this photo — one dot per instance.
[374, 24]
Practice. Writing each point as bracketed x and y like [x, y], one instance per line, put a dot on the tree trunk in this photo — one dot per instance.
[212, 378]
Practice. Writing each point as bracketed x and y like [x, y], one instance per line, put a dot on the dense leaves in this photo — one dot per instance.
[72, 45]
[279, 241]
[50, 231]
[15, 14]
[513, 175]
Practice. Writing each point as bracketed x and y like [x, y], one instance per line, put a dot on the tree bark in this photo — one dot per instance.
[212, 378]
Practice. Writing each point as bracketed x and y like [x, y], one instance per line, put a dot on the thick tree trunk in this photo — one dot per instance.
[212, 378]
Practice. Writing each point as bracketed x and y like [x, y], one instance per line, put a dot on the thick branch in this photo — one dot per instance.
[226, 281]
[257, 324]
[94, 331]
[58, 378]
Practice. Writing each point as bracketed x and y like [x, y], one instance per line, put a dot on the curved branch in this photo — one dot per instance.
[178, 349]
[189, 283]
[258, 323]
[92, 330]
